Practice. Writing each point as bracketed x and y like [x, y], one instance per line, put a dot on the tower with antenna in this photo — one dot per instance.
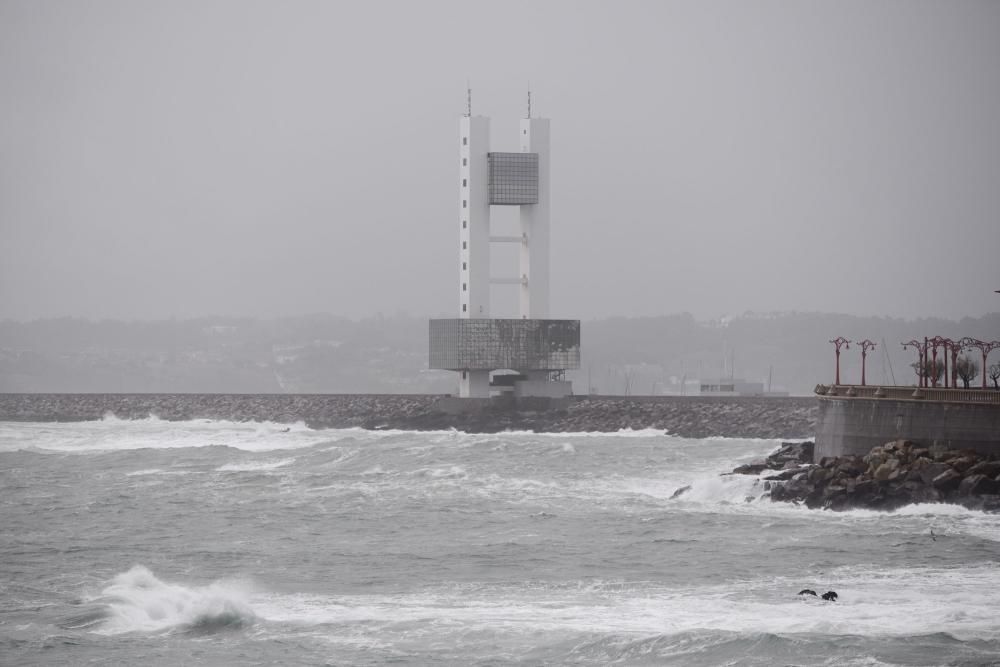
[531, 352]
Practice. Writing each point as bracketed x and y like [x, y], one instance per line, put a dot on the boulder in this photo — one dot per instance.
[988, 468]
[752, 468]
[948, 480]
[943, 452]
[977, 485]
[883, 472]
[783, 476]
[931, 470]
[962, 463]
[850, 465]
[820, 475]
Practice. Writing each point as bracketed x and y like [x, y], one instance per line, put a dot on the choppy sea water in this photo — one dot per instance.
[212, 542]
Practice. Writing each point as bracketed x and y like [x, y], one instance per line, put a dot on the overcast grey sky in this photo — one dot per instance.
[174, 158]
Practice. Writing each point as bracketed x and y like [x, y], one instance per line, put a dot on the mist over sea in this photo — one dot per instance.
[214, 542]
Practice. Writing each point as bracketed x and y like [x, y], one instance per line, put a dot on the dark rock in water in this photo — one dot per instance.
[830, 596]
[753, 468]
[807, 591]
[888, 477]
[681, 491]
[789, 457]
[784, 475]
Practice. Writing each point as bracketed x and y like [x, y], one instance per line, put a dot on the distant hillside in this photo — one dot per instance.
[328, 354]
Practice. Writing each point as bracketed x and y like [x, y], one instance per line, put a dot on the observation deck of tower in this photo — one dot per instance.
[538, 350]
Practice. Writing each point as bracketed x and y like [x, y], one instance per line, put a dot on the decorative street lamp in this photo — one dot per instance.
[955, 346]
[865, 346]
[983, 347]
[838, 342]
[921, 349]
[948, 345]
[936, 342]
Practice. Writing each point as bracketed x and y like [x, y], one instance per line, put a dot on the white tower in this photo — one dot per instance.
[535, 225]
[538, 350]
[474, 221]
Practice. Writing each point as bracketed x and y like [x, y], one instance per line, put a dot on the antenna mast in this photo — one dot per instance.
[468, 99]
[529, 99]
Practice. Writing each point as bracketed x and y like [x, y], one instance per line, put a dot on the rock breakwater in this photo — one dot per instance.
[889, 476]
[684, 416]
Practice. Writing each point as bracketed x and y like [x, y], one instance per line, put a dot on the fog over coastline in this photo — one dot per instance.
[388, 354]
[261, 160]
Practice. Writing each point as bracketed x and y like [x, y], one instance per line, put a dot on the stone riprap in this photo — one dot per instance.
[889, 476]
[684, 416]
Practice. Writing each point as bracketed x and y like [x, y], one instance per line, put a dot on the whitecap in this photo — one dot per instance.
[137, 601]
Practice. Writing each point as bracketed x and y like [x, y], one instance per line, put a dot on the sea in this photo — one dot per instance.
[152, 542]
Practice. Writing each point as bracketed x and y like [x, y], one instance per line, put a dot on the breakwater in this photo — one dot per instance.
[685, 416]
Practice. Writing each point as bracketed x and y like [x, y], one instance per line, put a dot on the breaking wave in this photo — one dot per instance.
[137, 601]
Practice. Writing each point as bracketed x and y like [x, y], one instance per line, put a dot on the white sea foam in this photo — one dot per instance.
[113, 434]
[255, 466]
[137, 601]
[873, 602]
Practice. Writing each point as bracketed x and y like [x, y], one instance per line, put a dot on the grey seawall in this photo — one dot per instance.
[847, 425]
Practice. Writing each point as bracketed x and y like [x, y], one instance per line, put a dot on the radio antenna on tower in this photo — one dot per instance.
[529, 99]
[468, 99]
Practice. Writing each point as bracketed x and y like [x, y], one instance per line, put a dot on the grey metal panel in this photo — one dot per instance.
[513, 178]
[492, 344]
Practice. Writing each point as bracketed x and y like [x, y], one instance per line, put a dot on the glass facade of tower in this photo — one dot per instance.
[493, 344]
[513, 178]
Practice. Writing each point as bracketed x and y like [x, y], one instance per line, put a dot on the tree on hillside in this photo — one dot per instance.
[995, 375]
[967, 368]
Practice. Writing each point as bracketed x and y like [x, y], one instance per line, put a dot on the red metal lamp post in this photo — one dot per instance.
[956, 346]
[865, 346]
[983, 347]
[839, 342]
[937, 342]
[921, 349]
[948, 345]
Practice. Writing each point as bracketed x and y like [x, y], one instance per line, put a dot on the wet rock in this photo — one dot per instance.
[977, 485]
[891, 476]
[784, 475]
[931, 470]
[753, 468]
[948, 480]
[988, 468]
[962, 463]
[885, 469]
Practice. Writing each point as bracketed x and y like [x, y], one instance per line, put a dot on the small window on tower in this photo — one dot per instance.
[465, 287]
[464, 203]
[465, 162]
[465, 223]
[464, 246]
[465, 141]
[464, 183]
[465, 266]
[464, 308]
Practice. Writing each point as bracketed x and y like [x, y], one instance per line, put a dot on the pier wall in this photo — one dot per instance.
[966, 419]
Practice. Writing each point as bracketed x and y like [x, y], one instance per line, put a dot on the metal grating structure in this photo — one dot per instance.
[513, 178]
[494, 344]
